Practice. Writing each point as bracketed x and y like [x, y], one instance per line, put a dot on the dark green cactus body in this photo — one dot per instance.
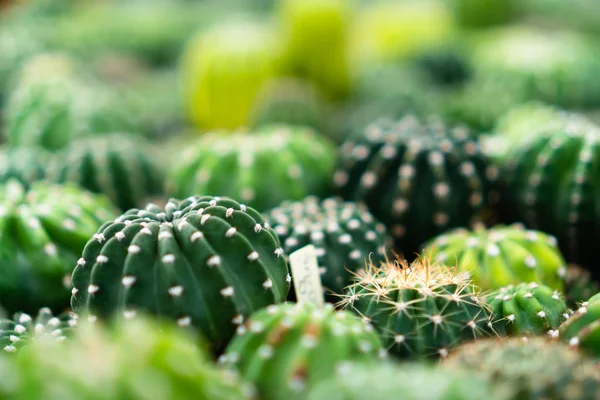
[22, 329]
[533, 369]
[410, 381]
[134, 360]
[25, 165]
[582, 329]
[418, 309]
[579, 286]
[345, 235]
[115, 165]
[263, 169]
[552, 185]
[42, 233]
[501, 256]
[206, 261]
[527, 309]
[420, 179]
[286, 349]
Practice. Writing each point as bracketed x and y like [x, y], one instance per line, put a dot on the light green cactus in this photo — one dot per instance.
[582, 329]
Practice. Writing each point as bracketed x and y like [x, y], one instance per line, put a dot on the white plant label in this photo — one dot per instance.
[306, 276]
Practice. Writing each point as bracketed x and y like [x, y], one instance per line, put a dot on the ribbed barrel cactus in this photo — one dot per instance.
[529, 369]
[579, 286]
[26, 165]
[420, 178]
[223, 71]
[313, 31]
[502, 255]
[286, 349]
[206, 262]
[263, 169]
[556, 67]
[136, 360]
[22, 329]
[42, 233]
[345, 235]
[420, 310]
[552, 185]
[582, 329]
[117, 165]
[527, 309]
[51, 112]
[410, 381]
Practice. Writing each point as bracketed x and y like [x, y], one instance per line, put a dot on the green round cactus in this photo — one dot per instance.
[345, 235]
[42, 233]
[551, 185]
[286, 349]
[263, 169]
[22, 329]
[115, 164]
[137, 360]
[290, 101]
[502, 255]
[397, 168]
[420, 310]
[223, 71]
[579, 286]
[529, 369]
[582, 328]
[551, 66]
[206, 262]
[26, 165]
[527, 309]
[51, 112]
[410, 381]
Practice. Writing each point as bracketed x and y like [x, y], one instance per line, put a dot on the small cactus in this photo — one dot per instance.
[532, 368]
[263, 169]
[550, 186]
[113, 164]
[397, 168]
[579, 286]
[527, 309]
[409, 381]
[286, 349]
[582, 329]
[44, 230]
[420, 310]
[501, 256]
[345, 235]
[22, 329]
[136, 360]
[206, 262]
[26, 165]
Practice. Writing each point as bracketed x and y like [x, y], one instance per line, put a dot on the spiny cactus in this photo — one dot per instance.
[263, 169]
[291, 101]
[206, 262]
[420, 310]
[286, 349]
[534, 368]
[582, 329]
[235, 59]
[551, 66]
[527, 309]
[51, 112]
[344, 234]
[113, 164]
[579, 286]
[135, 360]
[22, 329]
[501, 256]
[401, 167]
[25, 165]
[43, 231]
[410, 381]
[551, 186]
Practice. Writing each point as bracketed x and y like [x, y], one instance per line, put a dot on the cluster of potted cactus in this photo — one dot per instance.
[164, 164]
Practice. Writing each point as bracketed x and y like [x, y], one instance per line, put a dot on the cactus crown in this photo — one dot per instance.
[420, 309]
